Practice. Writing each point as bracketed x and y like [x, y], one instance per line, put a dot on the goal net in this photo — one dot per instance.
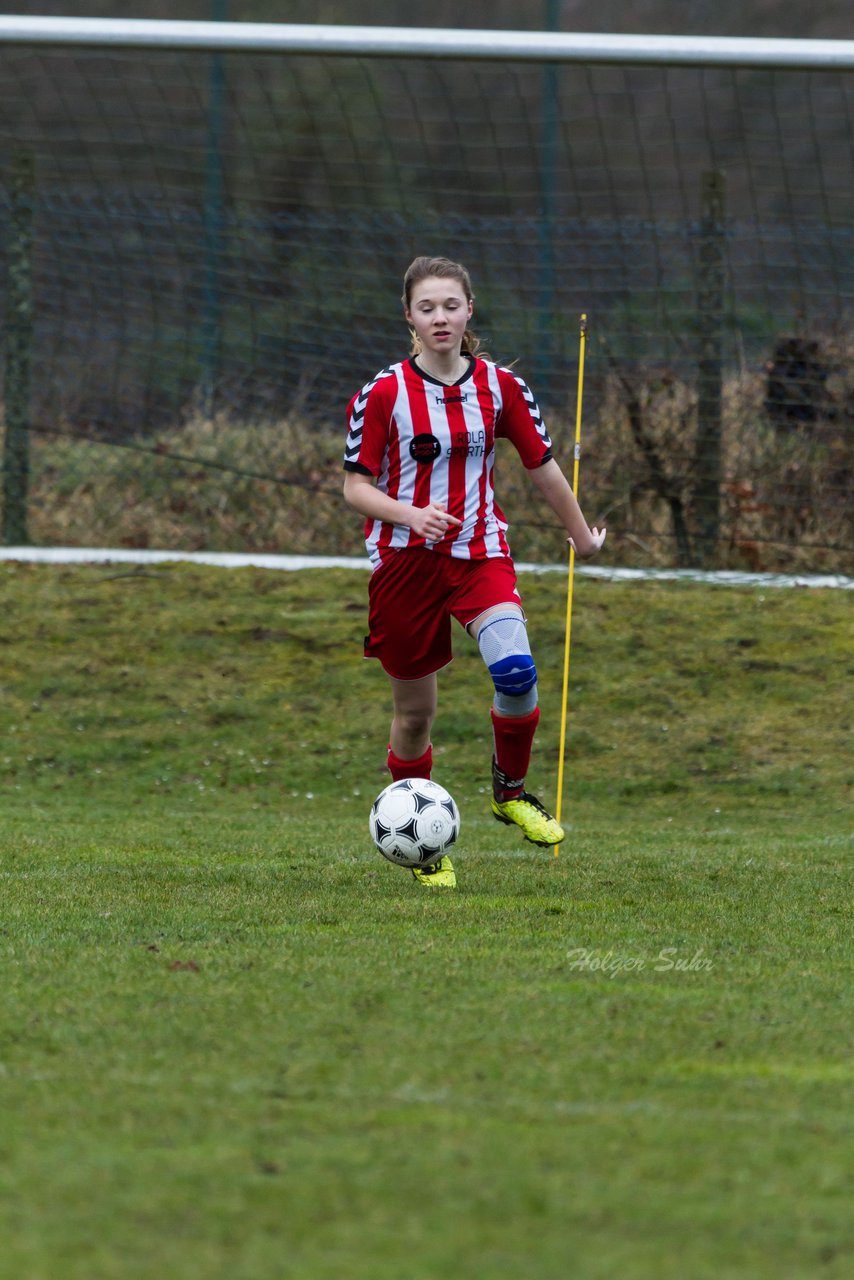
[202, 254]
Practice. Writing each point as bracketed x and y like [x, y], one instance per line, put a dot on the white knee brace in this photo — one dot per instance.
[503, 644]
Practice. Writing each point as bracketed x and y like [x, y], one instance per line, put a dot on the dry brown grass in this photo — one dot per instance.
[276, 486]
[216, 485]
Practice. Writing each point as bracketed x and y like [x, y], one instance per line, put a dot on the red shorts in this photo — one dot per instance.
[413, 597]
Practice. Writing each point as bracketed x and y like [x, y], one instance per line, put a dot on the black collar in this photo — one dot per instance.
[428, 377]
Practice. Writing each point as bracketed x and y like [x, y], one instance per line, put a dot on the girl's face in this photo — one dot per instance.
[439, 312]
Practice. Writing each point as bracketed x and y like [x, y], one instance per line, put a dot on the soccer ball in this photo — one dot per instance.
[414, 821]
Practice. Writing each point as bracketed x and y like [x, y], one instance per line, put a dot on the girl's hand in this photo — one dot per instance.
[432, 522]
[597, 537]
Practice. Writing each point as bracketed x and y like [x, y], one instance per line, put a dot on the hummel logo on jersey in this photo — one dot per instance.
[459, 398]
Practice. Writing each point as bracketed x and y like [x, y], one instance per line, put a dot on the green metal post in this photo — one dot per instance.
[214, 222]
[544, 355]
[19, 338]
[710, 307]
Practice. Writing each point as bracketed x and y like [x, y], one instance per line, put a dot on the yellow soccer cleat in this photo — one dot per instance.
[438, 876]
[537, 825]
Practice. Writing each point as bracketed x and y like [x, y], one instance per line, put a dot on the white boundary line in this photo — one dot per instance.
[244, 560]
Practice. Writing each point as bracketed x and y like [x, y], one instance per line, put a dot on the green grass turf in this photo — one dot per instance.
[234, 1042]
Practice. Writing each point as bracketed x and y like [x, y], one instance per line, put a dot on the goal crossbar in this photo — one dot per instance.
[397, 42]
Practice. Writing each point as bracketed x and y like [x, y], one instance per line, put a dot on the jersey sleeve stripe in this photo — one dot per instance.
[355, 423]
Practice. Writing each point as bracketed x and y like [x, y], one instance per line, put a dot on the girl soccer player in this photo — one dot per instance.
[419, 467]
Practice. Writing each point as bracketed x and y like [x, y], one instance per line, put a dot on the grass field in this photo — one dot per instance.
[236, 1043]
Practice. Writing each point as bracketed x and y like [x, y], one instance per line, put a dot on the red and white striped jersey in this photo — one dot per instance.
[428, 442]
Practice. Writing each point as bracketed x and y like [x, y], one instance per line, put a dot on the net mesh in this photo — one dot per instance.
[217, 245]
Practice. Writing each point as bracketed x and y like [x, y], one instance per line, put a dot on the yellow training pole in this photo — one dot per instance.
[577, 453]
